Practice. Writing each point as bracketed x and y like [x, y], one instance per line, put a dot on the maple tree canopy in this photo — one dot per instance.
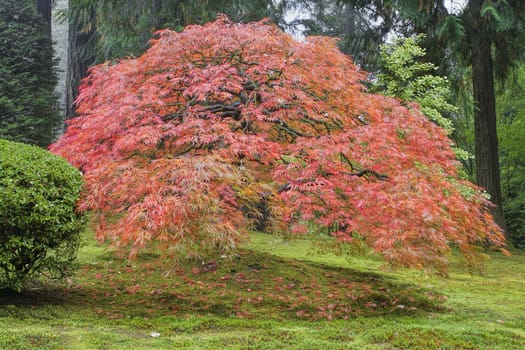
[226, 126]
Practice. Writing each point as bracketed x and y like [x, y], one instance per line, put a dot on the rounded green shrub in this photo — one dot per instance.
[39, 224]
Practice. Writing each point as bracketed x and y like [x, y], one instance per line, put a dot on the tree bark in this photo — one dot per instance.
[61, 45]
[486, 139]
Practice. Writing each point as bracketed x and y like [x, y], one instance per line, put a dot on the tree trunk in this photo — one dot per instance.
[61, 45]
[486, 139]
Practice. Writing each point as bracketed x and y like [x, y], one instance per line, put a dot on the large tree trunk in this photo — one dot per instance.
[61, 45]
[486, 139]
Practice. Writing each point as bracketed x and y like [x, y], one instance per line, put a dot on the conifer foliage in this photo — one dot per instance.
[227, 126]
[28, 104]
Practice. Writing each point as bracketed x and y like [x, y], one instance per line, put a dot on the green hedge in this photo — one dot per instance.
[39, 225]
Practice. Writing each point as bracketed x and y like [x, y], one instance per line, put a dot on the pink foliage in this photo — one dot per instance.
[184, 145]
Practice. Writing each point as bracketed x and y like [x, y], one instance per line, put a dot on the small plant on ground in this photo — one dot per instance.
[39, 225]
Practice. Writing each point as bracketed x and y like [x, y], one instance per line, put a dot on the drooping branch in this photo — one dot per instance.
[365, 172]
[226, 110]
[382, 177]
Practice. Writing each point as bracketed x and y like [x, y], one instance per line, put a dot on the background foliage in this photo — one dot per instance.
[511, 127]
[404, 74]
[120, 28]
[28, 105]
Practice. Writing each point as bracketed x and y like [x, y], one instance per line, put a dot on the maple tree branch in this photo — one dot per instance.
[283, 125]
[245, 125]
[180, 115]
[382, 177]
[345, 158]
[283, 188]
[314, 123]
[288, 129]
[364, 172]
[362, 119]
[172, 116]
[225, 110]
[220, 107]
[250, 85]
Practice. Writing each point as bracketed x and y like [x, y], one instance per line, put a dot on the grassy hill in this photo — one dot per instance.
[276, 294]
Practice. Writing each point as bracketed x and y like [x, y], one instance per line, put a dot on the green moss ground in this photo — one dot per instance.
[276, 294]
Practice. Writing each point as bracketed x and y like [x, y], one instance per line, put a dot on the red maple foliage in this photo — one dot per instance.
[226, 125]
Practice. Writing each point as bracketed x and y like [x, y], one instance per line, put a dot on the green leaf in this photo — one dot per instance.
[488, 10]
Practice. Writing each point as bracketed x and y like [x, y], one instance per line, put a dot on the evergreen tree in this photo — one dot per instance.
[28, 105]
[511, 129]
[127, 25]
[361, 25]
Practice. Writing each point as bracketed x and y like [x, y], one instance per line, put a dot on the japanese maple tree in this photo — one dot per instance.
[225, 126]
